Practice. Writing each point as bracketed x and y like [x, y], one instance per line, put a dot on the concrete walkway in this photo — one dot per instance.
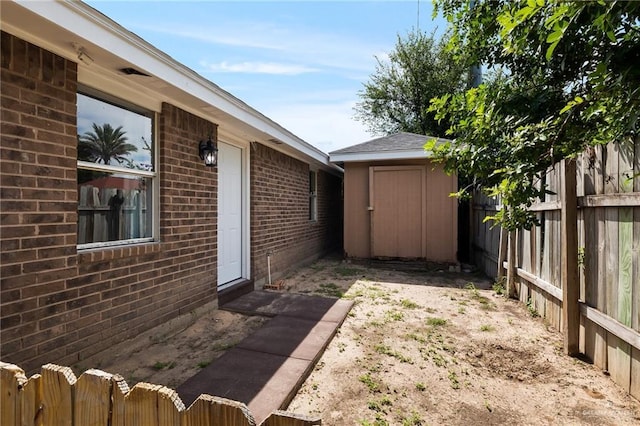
[267, 368]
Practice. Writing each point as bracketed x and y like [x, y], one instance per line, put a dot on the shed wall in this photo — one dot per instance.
[442, 212]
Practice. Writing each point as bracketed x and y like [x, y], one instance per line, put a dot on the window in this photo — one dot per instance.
[313, 196]
[116, 172]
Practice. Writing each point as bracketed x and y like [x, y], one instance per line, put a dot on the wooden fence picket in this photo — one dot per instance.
[56, 397]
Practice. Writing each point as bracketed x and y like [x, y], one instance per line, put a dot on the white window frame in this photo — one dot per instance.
[152, 175]
[313, 195]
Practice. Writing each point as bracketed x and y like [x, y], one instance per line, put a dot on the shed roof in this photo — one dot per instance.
[399, 146]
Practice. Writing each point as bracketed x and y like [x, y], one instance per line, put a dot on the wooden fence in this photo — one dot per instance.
[580, 269]
[56, 397]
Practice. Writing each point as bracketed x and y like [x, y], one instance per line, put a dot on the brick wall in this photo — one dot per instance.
[280, 222]
[38, 201]
[58, 305]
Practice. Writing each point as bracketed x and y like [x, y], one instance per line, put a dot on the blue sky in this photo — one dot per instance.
[301, 63]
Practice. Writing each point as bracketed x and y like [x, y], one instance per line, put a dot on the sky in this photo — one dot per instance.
[300, 63]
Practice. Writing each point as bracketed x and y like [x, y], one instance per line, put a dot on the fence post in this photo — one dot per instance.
[511, 265]
[569, 275]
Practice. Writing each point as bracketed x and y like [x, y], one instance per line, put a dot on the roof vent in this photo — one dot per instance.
[132, 71]
[275, 141]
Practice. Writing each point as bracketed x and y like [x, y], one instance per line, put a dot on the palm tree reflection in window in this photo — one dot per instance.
[103, 144]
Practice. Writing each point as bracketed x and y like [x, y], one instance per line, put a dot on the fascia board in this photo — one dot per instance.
[94, 27]
[378, 156]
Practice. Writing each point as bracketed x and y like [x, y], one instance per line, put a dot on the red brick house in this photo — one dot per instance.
[99, 245]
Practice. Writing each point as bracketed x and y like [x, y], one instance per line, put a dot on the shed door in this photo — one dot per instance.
[229, 214]
[397, 201]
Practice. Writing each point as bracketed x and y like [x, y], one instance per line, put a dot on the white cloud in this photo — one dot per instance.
[327, 126]
[258, 68]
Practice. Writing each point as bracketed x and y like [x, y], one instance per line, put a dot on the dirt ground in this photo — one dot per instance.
[418, 348]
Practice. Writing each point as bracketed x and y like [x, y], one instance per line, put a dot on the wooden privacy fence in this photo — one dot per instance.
[580, 269]
[56, 397]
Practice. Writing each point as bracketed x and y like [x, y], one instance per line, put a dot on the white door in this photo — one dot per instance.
[229, 214]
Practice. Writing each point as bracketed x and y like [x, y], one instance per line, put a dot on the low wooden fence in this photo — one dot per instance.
[57, 397]
[580, 269]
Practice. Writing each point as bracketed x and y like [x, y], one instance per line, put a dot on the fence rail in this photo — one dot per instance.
[57, 397]
[580, 269]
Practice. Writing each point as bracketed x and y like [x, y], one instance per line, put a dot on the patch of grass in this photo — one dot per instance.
[430, 310]
[413, 420]
[461, 310]
[386, 350]
[344, 271]
[532, 309]
[163, 365]
[381, 405]
[453, 378]
[498, 286]
[393, 316]
[203, 364]
[486, 327]
[409, 304]
[436, 322]
[370, 383]
[330, 289]
[421, 387]
[223, 346]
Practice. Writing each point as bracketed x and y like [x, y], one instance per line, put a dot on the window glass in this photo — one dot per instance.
[115, 173]
[112, 135]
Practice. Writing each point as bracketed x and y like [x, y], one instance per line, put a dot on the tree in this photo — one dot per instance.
[396, 98]
[571, 81]
[104, 144]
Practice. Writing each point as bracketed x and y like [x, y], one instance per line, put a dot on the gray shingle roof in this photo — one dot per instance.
[402, 141]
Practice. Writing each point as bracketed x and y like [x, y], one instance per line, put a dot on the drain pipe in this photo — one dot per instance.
[269, 265]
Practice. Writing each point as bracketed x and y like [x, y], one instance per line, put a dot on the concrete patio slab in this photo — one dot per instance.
[293, 337]
[267, 368]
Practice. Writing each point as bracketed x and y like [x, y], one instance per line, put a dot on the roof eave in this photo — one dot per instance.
[378, 156]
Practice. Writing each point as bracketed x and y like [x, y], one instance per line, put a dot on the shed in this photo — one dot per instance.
[396, 201]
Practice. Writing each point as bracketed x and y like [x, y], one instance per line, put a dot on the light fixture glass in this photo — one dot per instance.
[209, 152]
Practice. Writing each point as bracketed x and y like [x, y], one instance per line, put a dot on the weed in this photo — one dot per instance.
[163, 365]
[532, 309]
[386, 350]
[413, 420]
[314, 386]
[330, 289]
[341, 347]
[394, 316]
[438, 359]
[453, 378]
[486, 327]
[203, 364]
[409, 304]
[421, 387]
[430, 310]
[370, 382]
[436, 322]
[223, 346]
[461, 310]
[498, 286]
[471, 286]
[344, 271]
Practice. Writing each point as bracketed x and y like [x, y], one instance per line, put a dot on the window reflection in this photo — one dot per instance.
[113, 206]
[112, 135]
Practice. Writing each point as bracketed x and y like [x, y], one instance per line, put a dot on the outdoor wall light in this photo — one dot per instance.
[209, 152]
